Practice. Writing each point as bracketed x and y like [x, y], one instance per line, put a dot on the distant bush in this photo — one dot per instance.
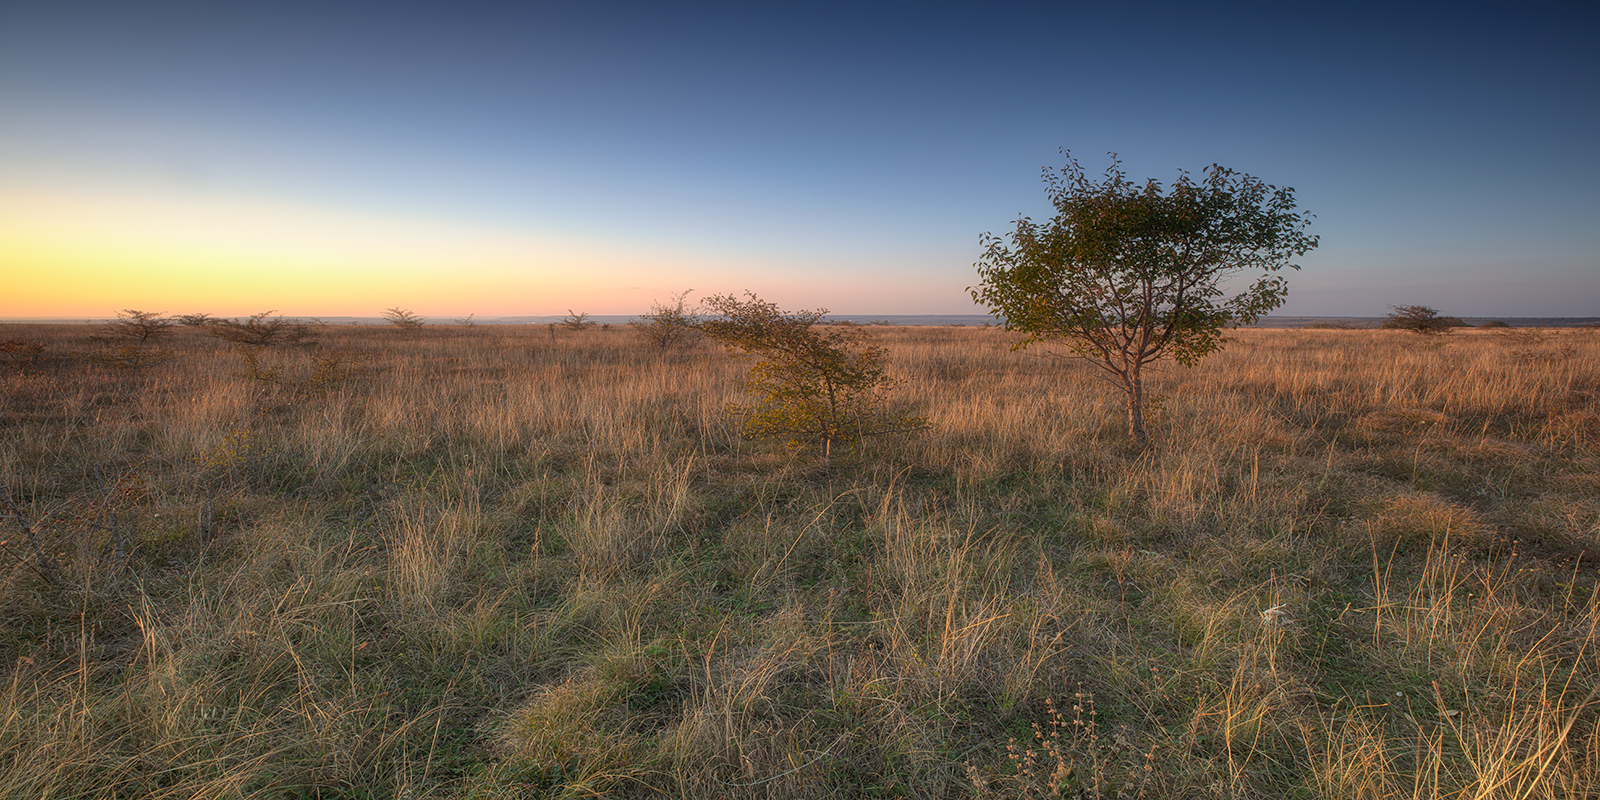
[263, 330]
[1331, 326]
[1420, 319]
[1495, 323]
[136, 326]
[403, 318]
[576, 320]
[669, 324]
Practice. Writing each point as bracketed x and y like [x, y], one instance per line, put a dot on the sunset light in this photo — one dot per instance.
[523, 162]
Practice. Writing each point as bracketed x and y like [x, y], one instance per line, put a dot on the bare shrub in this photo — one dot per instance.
[576, 321]
[403, 318]
[328, 371]
[263, 330]
[139, 327]
[20, 353]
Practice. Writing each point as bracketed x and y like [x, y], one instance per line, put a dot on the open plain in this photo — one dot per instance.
[523, 561]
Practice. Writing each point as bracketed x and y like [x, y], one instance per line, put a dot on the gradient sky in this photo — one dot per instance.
[533, 158]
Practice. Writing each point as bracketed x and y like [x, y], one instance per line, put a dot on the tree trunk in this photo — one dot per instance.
[1134, 384]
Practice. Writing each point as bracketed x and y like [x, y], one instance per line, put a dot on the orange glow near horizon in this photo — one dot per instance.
[88, 255]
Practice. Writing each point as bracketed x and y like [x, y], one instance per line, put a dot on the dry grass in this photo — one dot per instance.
[513, 562]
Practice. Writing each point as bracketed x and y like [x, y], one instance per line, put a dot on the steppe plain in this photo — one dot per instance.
[523, 561]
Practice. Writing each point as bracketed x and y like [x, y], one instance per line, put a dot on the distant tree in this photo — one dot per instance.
[138, 327]
[813, 388]
[193, 320]
[1126, 274]
[465, 322]
[263, 330]
[403, 319]
[1495, 323]
[1420, 319]
[576, 320]
[668, 324]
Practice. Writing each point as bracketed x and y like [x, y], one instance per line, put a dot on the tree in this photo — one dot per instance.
[1420, 319]
[1127, 274]
[263, 330]
[402, 318]
[668, 324]
[137, 326]
[812, 387]
[577, 320]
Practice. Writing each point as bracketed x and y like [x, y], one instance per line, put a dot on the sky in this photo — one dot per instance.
[329, 159]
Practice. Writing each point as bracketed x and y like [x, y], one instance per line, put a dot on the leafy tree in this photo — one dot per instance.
[1420, 319]
[669, 324]
[137, 326]
[1127, 274]
[402, 318]
[812, 387]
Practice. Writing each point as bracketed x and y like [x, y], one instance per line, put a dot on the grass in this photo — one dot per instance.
[520, 561]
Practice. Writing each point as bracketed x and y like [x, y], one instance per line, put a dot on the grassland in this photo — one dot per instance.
[526, 562]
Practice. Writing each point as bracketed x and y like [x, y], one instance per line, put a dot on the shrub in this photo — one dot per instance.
[1420, 319]
[403, 318]
[263, 330]
[1495, 323]
[20, 353]
[668, 324]
[812, 388]
[577, 320]
[327, 372]
[137, 326]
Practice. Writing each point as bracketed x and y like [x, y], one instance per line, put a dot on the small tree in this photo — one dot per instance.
[576, 320]
[812, 387]
[403, 319]
[193, 320]
[668, 324]
[1127, 274]
[263, 330]
[137, 326]
[1419, 319]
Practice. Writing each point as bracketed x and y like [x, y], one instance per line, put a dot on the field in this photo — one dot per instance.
[534, 562]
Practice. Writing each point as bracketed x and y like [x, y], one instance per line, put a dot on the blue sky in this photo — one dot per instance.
[527, 159]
